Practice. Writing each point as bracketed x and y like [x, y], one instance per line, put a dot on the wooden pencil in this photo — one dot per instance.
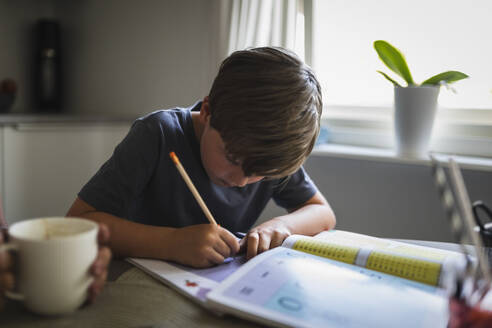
[192, 188]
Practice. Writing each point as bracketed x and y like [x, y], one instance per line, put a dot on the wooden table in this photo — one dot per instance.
[130, 298]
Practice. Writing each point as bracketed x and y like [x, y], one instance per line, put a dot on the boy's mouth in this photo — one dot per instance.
[225, 183]
[222, 183]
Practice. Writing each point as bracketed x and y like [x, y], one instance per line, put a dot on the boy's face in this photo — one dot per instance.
[219, 169]
[214, 157]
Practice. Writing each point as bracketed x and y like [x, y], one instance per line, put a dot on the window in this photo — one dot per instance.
[434, 36]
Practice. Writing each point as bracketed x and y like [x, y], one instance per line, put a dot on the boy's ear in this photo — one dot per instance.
[205, 111]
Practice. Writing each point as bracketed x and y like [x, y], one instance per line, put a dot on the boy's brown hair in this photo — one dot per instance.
[266, 104]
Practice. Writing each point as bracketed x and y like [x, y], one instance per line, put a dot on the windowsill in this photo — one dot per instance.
[389, 155]
[465, 132]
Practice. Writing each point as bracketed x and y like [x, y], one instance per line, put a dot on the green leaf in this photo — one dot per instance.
[394, 59]
[389, 78]
[448, 77]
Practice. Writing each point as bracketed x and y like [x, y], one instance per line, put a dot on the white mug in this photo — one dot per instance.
[54, 258]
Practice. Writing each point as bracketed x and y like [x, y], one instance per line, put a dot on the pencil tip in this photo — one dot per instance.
[174, 157]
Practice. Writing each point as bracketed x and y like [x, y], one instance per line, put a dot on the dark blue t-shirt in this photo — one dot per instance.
[141, 183]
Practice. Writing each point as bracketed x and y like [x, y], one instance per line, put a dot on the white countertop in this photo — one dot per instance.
[29, 118]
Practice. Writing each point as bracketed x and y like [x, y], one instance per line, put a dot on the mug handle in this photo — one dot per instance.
[9, 294]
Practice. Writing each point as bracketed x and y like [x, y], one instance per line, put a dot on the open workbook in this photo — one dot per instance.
[335, 279]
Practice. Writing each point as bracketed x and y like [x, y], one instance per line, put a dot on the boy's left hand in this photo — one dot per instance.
[267, 235]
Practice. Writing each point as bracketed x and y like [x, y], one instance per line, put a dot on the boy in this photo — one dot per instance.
[241, 146]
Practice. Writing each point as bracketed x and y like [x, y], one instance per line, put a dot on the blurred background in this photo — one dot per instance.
[111, 61]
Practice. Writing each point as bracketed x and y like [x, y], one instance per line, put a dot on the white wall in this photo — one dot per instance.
[125, 56]
[119, 56]
[387, 199]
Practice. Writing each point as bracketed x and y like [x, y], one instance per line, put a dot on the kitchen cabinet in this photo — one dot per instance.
[44, 165]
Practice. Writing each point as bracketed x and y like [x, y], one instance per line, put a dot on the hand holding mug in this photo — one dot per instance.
[99, 268]
[6, 275]
[59, 263]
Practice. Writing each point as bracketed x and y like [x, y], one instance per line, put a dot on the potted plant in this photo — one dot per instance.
[415, 104]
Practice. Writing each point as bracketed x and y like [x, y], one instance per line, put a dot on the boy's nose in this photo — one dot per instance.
[242, 182]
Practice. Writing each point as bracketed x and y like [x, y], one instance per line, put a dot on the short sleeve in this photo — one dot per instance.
[295, 190]
[123, 177]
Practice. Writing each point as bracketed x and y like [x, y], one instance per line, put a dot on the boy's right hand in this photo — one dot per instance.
[203, 245]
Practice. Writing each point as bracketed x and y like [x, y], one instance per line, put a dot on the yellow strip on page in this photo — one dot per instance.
[340, 253]
[409, 268]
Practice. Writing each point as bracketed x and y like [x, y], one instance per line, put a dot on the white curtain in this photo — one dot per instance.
[255, 23]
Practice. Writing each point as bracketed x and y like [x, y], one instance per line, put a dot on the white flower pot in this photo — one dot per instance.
[415, 110]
